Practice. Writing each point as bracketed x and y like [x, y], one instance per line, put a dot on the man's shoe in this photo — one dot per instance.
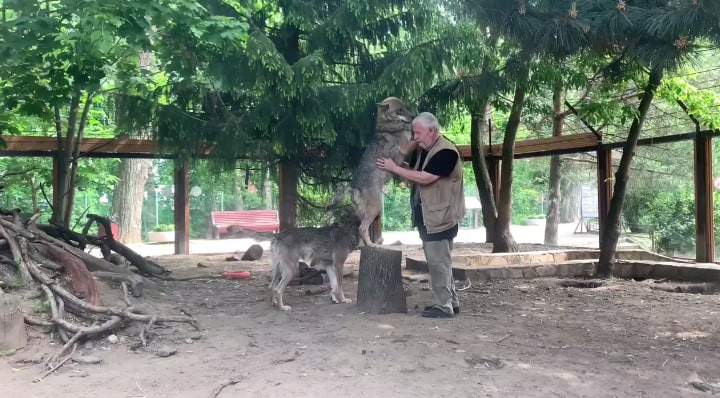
[456, 310]
[435, 312]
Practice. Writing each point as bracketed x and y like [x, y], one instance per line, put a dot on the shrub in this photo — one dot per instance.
[636, 210]
[164, 228]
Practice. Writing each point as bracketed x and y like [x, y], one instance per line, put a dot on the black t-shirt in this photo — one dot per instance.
[442, 164]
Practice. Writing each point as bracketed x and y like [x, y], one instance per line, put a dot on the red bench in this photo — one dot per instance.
[255, 220]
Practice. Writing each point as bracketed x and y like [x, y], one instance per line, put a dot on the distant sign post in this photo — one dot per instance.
[588, 207]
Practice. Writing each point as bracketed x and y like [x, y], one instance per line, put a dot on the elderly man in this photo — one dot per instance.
[438, 205]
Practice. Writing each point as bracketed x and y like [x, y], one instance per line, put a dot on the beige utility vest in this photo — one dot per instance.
[442, 202]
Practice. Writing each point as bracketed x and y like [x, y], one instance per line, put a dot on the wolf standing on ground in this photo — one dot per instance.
[324, 248]
[393, 139]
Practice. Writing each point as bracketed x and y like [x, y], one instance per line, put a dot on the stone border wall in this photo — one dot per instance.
[638, 264]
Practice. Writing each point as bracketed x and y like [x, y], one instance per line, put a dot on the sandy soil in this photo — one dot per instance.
[518, 338]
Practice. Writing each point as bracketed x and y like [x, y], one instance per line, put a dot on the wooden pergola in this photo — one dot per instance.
[33, 146]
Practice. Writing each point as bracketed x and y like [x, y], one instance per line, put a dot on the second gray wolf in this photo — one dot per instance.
[321, 248]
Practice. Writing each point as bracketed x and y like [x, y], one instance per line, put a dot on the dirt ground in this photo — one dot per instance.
[513, 338]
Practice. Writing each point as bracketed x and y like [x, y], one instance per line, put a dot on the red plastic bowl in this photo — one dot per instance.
[236, 274]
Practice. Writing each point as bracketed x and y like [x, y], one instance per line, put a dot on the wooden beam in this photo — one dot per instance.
[182, 208]
[573, 143]
[604, 185]
[704, 232]
[142, 148]
[47, 146]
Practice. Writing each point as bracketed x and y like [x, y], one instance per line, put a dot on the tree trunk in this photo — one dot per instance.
[62, 188]
[504, 241]
[553, 209]
[569, 205]
[267, 189]
[12, 323]
[380, 287]
[288, 194]
[238, 203]
[128, 198]
[611, 231]
[480, 117]
[33, 195]
[74, 145]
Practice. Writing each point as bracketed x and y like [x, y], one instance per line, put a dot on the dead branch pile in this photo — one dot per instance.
[53, 259]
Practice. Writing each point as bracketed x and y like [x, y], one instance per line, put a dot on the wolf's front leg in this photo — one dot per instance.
[335, 274]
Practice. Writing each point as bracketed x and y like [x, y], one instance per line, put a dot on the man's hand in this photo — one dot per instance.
[386, 164]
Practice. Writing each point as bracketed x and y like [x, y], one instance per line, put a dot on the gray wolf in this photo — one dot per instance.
[393, 139]
[323, 248]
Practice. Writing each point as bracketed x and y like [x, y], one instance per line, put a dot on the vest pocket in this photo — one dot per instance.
[437, 214]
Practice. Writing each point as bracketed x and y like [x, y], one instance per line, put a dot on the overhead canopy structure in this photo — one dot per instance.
[567, 144]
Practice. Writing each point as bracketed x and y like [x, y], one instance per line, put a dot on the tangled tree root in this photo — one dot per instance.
[53, 259]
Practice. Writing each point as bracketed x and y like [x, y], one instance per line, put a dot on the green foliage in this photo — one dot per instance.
[8, 353]
[311, 74]
[637, 209]
[530, 180]
[672, 218]
[396, 206]
[43, 306]
[525, 203]
[702, 104]
[164, 228]
[673, 221]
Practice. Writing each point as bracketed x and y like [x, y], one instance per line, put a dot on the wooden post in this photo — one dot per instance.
[288, 184]
[493, 165]
[604, 184]
[380, 287]
[704, 223]
[182, 209]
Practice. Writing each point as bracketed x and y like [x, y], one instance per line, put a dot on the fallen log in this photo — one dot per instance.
[91, 262]
[145, 266]
[17, 255]
[82, 281]
[134, 281]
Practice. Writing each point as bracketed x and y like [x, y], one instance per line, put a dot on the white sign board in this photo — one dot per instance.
[588, 201]
[472, 203]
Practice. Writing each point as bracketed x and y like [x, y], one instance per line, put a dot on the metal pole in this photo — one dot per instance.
[157, 213]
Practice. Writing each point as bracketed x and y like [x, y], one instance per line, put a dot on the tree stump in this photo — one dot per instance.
[253, 253]
[380, 287]
[12, 324]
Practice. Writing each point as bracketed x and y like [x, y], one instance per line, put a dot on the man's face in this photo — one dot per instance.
[425, 136]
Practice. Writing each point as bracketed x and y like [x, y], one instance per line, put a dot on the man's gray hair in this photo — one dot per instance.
[427, 120]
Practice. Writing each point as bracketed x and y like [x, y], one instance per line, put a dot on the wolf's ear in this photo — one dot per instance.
[384, 106]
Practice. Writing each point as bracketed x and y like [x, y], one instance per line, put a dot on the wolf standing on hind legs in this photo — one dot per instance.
[393, 139]
[438, 205]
